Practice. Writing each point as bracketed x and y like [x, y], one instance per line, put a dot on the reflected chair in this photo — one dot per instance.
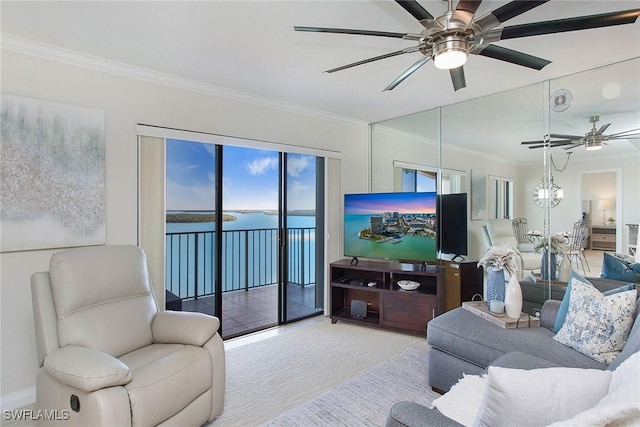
[109, 357]
[499, 231]
[577, 244]
[520, 229]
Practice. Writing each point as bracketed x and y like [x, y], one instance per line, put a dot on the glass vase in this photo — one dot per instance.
[495, 285]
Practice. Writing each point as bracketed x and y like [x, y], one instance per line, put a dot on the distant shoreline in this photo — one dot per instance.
[208, 216]
[196, 217]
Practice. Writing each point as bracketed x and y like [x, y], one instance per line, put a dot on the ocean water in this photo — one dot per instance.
[411, 248]
[250, 253]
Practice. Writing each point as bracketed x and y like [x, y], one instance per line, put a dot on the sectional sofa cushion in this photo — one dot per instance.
[479, 342]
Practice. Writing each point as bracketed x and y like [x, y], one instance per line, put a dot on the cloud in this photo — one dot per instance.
[295, 165]
[263, 165]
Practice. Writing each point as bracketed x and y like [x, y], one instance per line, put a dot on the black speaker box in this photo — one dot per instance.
[358, 309]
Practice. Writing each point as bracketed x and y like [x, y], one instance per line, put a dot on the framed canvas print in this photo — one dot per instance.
[478, 194]
[52, 172]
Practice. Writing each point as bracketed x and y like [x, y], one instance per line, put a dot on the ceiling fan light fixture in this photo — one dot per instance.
[450, 52]
[593, 145]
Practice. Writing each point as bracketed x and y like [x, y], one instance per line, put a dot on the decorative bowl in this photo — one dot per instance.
[408, 285]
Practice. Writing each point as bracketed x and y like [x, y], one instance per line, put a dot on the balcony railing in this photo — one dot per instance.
[249, 260]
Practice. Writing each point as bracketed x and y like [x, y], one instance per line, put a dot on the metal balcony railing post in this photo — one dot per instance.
[197, 258]
[246, 260]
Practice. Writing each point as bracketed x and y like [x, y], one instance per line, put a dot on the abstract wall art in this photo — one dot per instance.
[52, 175]
[478, 194]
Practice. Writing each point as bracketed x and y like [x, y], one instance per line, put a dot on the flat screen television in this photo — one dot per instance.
[452, 224]
[394, 226]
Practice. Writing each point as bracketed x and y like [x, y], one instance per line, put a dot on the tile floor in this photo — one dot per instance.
[254, 309]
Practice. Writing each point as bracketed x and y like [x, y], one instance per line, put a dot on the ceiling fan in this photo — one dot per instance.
[450, 38]
[592, 140]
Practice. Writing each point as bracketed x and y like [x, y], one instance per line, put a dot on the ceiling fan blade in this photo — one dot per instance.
[407, 73]
[457, 78]
[625, 134]
[512, 56]
[531, 147]
[570, 24]
[349, 31]
[414, 8]
[603, 128]
[573, 146]
[375, 58]
[506, 12]
[564, 136]
[551, 143]
[465, 10]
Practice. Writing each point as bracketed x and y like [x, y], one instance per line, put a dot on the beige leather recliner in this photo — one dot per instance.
[109, 357]
[498, 232]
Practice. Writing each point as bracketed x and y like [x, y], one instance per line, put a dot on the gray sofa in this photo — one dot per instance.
[461, 344]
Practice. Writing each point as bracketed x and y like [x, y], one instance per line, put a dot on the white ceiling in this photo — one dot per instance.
[250, 46]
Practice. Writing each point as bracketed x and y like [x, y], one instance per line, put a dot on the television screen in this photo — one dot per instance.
[396, 226]
[452, 226]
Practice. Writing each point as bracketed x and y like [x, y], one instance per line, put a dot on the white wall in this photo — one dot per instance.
[128, 102]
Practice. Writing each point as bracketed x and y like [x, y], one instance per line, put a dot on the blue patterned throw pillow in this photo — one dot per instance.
[564, 304]
[597, 325]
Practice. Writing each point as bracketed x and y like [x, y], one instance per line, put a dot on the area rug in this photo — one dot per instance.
[366, 399]
[267, 378]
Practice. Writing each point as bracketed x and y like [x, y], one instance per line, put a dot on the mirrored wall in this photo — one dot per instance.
[554, 180]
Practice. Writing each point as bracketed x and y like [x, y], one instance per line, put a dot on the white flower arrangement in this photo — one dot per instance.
[501, 258]
[557, 244]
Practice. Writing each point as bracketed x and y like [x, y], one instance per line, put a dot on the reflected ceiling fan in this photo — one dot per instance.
[592, 140]
[450, 38]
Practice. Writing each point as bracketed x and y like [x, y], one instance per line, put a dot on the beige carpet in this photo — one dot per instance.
[267, 378]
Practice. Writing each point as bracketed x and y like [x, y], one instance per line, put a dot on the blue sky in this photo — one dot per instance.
[250, 179]
[390, 202]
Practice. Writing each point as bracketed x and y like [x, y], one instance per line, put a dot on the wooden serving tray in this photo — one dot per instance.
[480, 308]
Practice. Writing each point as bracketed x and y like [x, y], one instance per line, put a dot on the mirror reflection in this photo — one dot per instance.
[556, 155]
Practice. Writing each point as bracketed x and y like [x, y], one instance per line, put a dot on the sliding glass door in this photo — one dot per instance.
[301, 222]
[250, 239]
[257, 263]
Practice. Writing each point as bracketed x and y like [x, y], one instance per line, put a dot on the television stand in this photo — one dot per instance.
[388, 305]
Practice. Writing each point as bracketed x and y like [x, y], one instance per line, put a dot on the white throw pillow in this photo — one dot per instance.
[620, 406]
[597, 325]
[462, 402]
[538, 397]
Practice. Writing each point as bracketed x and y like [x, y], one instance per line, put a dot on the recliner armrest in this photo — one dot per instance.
[86, 369]
[181, 327]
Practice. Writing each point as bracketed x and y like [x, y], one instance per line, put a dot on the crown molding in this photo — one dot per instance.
[78, 59]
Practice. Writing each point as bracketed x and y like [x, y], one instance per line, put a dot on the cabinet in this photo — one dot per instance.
[603, 237]
[462, 280]
[388, 306]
